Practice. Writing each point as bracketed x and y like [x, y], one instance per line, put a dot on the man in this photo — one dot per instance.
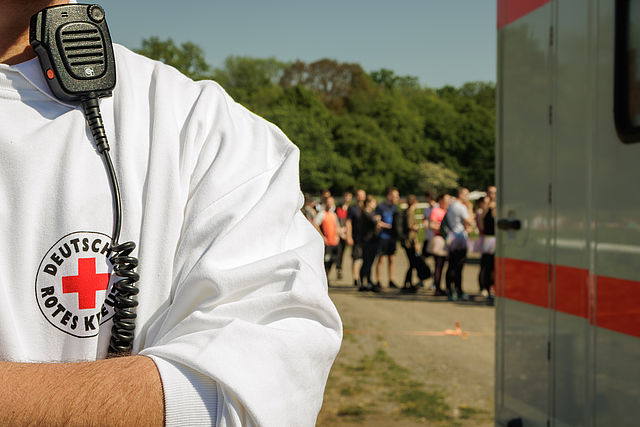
[387, 210]
[410, 244]
[234, 325]
[459, 219]
[354, 234]
[324, 195]
[308, 208]
[426, 214]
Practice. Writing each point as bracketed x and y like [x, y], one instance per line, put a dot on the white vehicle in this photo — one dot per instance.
[568, 174]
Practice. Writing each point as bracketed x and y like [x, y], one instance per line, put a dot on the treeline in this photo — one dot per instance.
[358, 129]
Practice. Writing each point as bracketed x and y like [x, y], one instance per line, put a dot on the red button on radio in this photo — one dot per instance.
[50, 74]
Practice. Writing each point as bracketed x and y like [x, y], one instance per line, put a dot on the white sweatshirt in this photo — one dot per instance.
[233, 300]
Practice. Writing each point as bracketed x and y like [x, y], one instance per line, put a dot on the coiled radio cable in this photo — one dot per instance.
[124, 318]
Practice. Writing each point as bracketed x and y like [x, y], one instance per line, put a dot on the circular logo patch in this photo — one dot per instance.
[73, 284]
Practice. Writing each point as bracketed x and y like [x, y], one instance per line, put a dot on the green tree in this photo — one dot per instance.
[390, 81]
[249, 79]
[308, 123]
[436, 178]
[333, 81]
[356, 129]
[376, 162]
[483, 93]
[188, 58]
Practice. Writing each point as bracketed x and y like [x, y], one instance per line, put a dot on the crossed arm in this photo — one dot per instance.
[115, 392]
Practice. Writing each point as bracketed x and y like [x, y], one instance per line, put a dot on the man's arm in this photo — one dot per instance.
[249, 316]
[121, 391]
[381, 223]
[467, 220]
[433, 224]
[349, 232]
[317, 221]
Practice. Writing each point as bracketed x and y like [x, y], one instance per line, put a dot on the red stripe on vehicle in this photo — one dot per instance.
[525, 281]
[497, 268]
[617, 306]
[572, 291]
[511, 10]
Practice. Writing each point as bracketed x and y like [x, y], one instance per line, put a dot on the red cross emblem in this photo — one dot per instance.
[86, 283]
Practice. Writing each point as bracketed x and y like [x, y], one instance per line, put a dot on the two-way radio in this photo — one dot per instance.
[74, 47]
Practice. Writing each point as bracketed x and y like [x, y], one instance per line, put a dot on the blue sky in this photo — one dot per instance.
[439, 41]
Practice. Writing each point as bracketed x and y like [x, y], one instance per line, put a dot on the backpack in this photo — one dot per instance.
[400, 225]
[405, 223]
[445, 229]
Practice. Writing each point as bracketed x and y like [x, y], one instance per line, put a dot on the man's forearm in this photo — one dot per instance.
[349, 232]
[120, 391]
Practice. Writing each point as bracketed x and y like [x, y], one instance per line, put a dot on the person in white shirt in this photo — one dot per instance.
[460, 221]
[234, 324]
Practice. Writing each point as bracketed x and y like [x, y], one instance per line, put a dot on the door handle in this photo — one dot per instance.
[509, 224]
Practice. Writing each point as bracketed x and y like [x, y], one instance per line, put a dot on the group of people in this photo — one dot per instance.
[448, 221]
[374, 230]
[365, 225]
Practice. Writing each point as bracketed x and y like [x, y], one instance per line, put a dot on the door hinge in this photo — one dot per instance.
[550, 114]
[548, 350]
[548, 423]
[550, 193]
[549, 274]
[551, 36]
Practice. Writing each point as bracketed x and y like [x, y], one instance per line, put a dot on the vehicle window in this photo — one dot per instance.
[633, 71]
[627, 82]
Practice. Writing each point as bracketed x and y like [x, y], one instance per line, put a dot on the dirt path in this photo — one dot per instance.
[403, 362]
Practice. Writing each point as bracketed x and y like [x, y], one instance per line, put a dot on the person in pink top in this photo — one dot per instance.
[341, 212]
[437, 245]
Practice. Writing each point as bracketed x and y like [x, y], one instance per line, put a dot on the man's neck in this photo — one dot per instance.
[14, 28]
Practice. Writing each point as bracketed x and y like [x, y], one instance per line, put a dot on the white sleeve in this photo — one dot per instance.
[250, 333]
[464, 212]
[319, 218]
[459, 210]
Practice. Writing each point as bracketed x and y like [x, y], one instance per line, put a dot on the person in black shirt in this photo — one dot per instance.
[354, 233]
[488, 250]
[370, 242]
